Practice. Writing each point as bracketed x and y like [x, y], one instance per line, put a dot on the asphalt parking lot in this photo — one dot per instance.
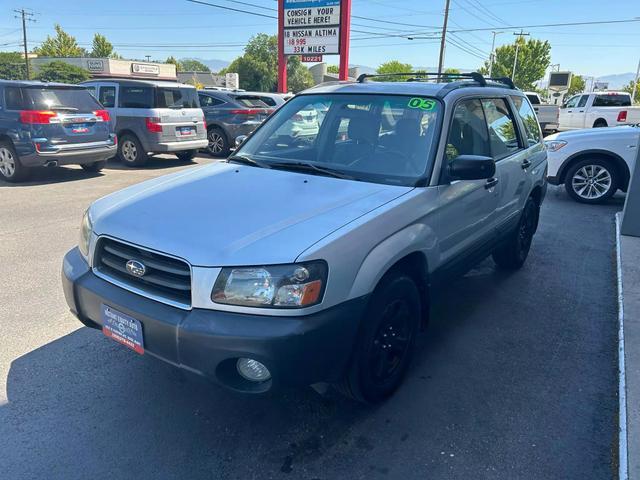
[516, 378]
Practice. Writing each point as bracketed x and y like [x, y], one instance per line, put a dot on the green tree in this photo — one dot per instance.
[58, 71]
[577, 85]
[258, 67]
[333, 69]
[450, 70]
[629, 88]
[173, 61]
[12, 66]
[60, 45]
[102, 48]
[393, 66]
[298, 76]
[534, 57]
[191, 65]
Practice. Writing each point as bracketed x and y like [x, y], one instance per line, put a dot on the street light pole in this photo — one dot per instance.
[444, 38]
[515, 60]
[492, 57]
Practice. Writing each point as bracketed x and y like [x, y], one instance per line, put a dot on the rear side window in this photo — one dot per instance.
[177, 98]
[502, 128]
[528, 117]
[136, 97]
[107, 96]
[209, 101]
[612, 100]
[468, 134]
[13, 98]
[534, 99]
[55, 98]
[583, 101]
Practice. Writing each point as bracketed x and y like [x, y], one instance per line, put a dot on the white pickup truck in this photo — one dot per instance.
[547, 114]
[599, 109]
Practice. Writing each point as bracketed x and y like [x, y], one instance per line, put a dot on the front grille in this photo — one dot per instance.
[165, 277]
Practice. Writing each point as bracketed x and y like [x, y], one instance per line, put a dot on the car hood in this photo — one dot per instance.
[226, 214]
[596, 133]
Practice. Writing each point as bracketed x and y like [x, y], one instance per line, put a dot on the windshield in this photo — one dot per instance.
[377, 138]
[177, 98]
[50, 98]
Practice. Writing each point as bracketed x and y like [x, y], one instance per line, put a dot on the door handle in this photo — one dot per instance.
[580, 111]
[492, 182]
[526, 163]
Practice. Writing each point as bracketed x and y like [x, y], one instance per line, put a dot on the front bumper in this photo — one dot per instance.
[164, 147]
[298, 351]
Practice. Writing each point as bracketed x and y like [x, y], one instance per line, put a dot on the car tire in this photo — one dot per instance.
[218, 142]
[600, 123]
[187, 155]
[94, 166]
[381, 354]
[513, 254]
[11, 168]
[130, 151]
[592, 180]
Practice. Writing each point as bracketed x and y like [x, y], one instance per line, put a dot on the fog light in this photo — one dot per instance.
[253, 370]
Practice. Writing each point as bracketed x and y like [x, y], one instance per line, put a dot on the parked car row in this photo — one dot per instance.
[48, 124]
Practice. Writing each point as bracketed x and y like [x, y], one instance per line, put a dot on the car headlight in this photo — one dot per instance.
[275, 286]
[86, 228]
[555, 145]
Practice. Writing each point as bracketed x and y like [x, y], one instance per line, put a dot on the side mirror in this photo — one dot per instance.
[240, 140]
[471, 167]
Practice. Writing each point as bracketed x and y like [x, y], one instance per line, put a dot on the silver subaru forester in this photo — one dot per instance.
[310, 258]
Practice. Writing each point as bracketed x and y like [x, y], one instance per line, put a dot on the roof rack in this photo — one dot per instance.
[505, 80]
[415, 76]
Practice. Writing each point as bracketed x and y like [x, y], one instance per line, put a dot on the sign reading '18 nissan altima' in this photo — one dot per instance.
[311, 27]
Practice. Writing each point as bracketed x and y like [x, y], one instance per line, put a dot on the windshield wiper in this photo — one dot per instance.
[310, 167]
[246, 161]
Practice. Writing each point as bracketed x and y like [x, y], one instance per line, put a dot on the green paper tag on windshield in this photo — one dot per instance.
[422, 103]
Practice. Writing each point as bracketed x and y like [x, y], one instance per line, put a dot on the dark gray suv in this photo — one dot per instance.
[50, 124]
[230, 115]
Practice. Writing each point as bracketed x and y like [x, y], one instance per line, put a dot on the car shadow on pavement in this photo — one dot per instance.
[84, 406]
[51, 175]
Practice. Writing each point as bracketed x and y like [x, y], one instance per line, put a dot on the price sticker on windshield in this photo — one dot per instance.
[422, 103]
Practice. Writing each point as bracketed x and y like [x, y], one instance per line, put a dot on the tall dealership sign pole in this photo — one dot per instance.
[345, 29]
[311, 29]
[282, 59]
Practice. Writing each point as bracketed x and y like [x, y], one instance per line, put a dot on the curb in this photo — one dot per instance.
[623, 467]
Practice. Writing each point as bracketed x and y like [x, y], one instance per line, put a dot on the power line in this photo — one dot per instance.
[248, 12]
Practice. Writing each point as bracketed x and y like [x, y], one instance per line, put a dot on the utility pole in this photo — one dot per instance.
[148, 57]
[444, 38]
[635, 83]
[25, 16]
[515, 60]
[492, 57]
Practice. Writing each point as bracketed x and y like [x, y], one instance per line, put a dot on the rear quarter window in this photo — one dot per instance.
[177, 98]
[136, 97]
[13, 98]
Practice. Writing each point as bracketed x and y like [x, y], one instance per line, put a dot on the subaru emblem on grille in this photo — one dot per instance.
[136, 268]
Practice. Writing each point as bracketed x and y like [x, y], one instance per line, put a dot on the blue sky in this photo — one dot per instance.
[175, 27]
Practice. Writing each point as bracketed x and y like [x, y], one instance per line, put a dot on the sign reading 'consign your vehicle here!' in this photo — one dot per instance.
[311, 27]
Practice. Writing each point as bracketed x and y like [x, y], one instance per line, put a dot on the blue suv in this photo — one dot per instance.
[51, 124]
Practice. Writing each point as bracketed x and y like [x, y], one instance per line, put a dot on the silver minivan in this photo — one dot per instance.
[152, 116]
